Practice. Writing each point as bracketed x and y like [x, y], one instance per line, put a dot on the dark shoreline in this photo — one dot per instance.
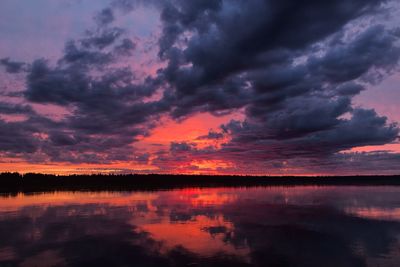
[14, 182]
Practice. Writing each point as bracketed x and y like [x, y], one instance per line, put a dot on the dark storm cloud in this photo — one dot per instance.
[301, 100]
[101, 38]
[210, 136]
[296, 77]
[126, 47]
[105, 102]
[17, 137]
[83, 56]
[182, 147]
[104, 17]
[374, 48]
[12, 66]
[107, 115]
[127, 6]
[242, 36]
[349, 89]
[293, 67]
[58, 86]
[304, 134]
[8, 108]
[364, 128]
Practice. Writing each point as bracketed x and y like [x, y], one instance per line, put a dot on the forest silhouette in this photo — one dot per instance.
[31, 182]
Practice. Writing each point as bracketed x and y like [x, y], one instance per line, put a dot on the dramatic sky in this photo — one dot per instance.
[200, 86]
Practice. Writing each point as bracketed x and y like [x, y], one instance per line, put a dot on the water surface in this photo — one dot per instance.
[260, 226]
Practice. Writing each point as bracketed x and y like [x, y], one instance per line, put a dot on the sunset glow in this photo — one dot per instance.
[199, 87]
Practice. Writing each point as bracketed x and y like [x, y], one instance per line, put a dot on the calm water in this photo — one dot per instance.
[277, 226]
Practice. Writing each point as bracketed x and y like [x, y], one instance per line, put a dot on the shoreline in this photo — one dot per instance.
[15, 183]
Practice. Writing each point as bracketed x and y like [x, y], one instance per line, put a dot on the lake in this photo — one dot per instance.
[255, 226]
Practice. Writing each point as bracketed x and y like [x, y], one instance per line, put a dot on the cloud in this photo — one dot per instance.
[101, 38]
[211, 136]
[105, 16]
[259, 37]
[126, 47]
[17, 137]
[104, 99]
[295, 78]
[374, 48]
[182, 147]
[8, 108]
[12, 66]
[292, 68]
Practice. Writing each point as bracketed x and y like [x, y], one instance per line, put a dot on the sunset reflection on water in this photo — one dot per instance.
[260, 226]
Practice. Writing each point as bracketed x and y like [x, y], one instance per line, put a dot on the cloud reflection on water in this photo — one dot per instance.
[277, 226]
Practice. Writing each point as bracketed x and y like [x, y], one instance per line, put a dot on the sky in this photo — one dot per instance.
[249, 87]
